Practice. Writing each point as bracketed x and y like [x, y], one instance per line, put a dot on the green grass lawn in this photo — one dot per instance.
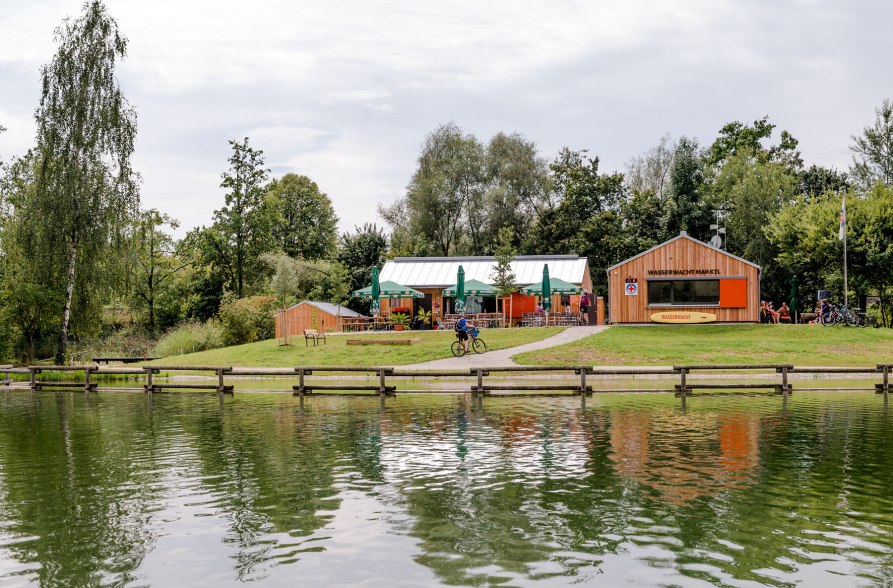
[434, 345]
[806, 345]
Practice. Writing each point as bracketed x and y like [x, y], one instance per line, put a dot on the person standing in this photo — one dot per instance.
[584, 306]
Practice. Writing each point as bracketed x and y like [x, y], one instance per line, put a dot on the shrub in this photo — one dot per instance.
[190, 337]
[245, 320]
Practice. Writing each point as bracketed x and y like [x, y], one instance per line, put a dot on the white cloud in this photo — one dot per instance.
[345, 91]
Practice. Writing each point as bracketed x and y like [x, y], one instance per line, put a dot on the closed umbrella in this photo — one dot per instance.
[547, 289]
[460, 290]
[376, 292]
[794, 283]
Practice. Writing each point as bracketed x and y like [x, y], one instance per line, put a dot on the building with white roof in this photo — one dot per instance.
[430, 275]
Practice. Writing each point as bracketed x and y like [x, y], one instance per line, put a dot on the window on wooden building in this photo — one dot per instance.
[683, 292]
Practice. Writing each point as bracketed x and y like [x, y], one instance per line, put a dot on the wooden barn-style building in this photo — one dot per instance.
[684, 281]
[324, 317]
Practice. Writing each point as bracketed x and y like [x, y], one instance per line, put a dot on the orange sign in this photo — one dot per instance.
[683, 317]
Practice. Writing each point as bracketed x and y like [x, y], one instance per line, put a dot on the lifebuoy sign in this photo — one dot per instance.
[683, 317]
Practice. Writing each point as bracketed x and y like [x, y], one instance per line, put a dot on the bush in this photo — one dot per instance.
[189, 338]
[245, 320]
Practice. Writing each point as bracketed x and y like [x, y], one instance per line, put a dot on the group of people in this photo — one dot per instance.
[585, 303]
[769, 315]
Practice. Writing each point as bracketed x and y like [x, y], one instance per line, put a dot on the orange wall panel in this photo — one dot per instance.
[733, 293]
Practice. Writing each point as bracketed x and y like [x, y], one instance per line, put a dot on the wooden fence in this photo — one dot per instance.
[387, 381]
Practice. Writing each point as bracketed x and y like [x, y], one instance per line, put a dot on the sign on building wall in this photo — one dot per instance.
[632, 287]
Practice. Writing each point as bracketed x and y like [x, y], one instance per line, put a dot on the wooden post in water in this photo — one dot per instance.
[884, 386]
[682, 386]
[34, 371]
[149, 386]
[88, 385]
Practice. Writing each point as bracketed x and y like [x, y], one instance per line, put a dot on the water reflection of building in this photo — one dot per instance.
[684, 456]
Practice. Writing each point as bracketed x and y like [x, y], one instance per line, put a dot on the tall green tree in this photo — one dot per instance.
[686, 208]
[303, 219]
[242, 228]
[85, 188]
[358, 252]
[873, 149]
[502, 275]
[435, 216]
[155, 261]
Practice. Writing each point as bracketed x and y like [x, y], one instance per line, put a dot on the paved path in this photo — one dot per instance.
[503, 357]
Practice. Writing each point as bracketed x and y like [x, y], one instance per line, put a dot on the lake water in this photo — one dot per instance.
[185, 490]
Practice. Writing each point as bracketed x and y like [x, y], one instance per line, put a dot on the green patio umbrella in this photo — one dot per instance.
[376, 292]
[556, 286]
[794, 283]
[473, 288]
[547, 289]
[460, 290]
[386, 289]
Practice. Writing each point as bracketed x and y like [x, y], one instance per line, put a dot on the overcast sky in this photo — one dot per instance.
[344, 92]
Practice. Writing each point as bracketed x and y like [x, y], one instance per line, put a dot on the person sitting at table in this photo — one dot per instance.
[784, 313]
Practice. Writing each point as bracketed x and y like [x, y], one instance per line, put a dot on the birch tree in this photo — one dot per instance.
[86, 189]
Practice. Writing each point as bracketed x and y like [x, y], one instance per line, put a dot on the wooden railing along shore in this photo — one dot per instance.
[387, 381]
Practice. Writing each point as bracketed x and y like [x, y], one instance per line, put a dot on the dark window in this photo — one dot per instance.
[683, 292]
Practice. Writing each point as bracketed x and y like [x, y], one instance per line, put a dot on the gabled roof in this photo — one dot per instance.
[440, 272]
[329, 308]
[684, 235]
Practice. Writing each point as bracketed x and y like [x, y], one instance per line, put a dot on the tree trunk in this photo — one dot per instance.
[66, 313]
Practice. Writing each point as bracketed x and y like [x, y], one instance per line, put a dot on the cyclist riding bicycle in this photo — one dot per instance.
[462, 326]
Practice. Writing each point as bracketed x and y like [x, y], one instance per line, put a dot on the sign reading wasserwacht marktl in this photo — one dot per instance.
[683, 272]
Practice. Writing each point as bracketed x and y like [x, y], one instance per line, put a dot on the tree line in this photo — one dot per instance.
[81, 262]
[777, 212]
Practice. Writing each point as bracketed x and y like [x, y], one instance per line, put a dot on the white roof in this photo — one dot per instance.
[440, 272]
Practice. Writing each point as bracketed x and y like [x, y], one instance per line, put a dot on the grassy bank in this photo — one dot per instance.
[680, 344]
[434, 345]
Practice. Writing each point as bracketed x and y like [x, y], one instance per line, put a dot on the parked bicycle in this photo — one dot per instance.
[476, 344]
[839, 315]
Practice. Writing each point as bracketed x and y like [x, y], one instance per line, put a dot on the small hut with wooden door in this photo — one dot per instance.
[324, 317]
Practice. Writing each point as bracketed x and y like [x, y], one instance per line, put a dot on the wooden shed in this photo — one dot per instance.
[325, 317]
[684, 281]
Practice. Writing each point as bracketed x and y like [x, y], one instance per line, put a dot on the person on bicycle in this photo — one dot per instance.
[462, 326]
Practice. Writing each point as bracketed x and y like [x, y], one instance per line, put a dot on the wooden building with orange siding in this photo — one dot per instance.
[684, 281]
[324, 317]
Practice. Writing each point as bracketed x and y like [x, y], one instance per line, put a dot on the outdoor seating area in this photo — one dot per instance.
[557, 319]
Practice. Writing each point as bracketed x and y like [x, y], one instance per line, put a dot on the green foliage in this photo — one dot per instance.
[686, 208]
[155, 262]
[423, 316]
[190, 337]
[503, 277]
[303, 220]
[462, 193]
[873, 150]
[85, 190]
[249, 319]
[806, 236]
[358, 253]
[399, 318]
[738, 139]
[242, 228]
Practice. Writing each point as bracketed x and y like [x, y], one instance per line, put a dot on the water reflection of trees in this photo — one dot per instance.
[79, 476]
[746, 485]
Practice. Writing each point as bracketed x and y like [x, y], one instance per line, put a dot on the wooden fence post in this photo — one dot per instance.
[884, 386]
[34, 371]
[88, 371]
[149, 386]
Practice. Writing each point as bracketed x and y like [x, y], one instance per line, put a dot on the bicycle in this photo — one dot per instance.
[476, 344]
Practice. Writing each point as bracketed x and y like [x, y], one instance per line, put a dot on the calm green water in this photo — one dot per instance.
[182, 490]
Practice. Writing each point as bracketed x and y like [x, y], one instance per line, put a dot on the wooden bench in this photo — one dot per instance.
[314, 335]
[805, 317]
[383, 341]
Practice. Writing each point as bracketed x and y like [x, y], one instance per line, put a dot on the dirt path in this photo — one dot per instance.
[503, 357]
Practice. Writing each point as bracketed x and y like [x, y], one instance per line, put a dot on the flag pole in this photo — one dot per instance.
[843, 232]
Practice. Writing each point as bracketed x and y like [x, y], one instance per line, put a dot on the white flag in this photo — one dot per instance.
[842, 234]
